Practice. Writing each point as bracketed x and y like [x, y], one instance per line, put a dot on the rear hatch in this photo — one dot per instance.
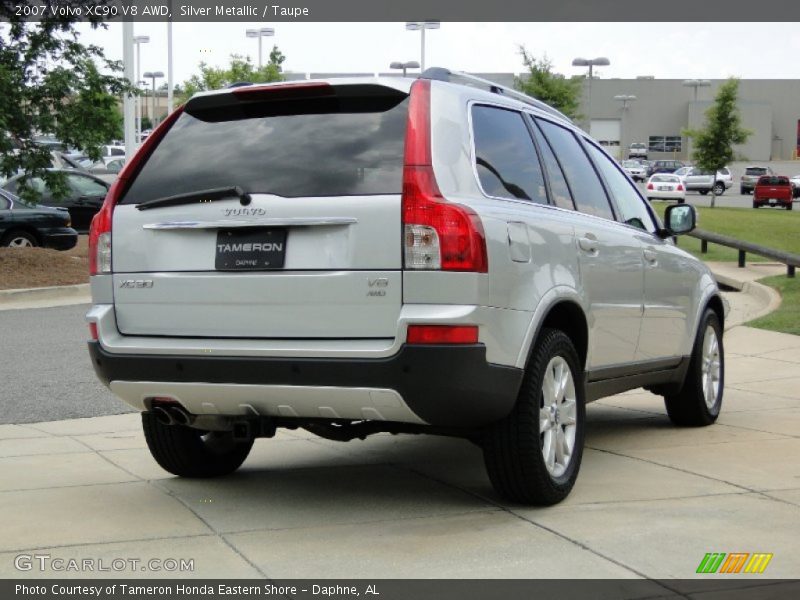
[267, 212]
[752, 174]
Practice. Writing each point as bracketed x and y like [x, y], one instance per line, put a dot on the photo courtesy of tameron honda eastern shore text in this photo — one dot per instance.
[407, 255]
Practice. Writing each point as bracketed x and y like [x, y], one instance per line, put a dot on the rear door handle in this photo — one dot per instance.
[588, 244]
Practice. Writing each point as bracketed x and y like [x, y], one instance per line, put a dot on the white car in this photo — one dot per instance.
[795, 181]
[724, 175]
[666, 186]
[635, 169]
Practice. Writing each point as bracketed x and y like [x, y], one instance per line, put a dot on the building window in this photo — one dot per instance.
[664, 143]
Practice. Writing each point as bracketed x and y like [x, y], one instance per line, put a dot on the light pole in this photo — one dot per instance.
[600, 61]
[139, 40]
[128, 101]
[170, 80]
[411, 64]
[696, 83]
[421, 26]
[153, 75]
[260, 34]
[626, 100]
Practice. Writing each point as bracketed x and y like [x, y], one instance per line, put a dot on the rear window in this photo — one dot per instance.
[664, 179]
[755, 171]
[773, 181]
[341, 144]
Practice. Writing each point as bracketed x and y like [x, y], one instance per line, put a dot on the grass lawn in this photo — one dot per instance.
[787, 318]
[778, 229]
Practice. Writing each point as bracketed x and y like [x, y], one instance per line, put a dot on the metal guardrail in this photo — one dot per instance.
[790, 260]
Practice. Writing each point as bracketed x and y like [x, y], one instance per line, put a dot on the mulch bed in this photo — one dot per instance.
[42, 267]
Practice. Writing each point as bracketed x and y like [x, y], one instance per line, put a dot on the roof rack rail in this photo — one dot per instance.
[442, 74]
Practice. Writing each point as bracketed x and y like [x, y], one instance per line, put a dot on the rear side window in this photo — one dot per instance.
[505, 156]
[767, 180]
[587, 191]
[334, 145]
[632, 209]
[559, 189]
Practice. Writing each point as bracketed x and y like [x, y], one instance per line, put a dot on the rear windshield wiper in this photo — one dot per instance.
[198, 197]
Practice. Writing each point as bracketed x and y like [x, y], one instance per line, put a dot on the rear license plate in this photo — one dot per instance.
[664, 188]
[250, 249]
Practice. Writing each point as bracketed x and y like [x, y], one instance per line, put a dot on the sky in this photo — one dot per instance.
[663, 50]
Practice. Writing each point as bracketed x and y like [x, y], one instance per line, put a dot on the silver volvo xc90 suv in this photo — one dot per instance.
[352, 256]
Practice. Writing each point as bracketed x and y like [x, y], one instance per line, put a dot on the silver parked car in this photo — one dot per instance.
[352, 256]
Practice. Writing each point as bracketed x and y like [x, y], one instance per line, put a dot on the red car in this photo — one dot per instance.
[773, 190]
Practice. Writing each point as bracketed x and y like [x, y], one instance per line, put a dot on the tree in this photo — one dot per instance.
[239, 69]
[551, 88]
[723, 130]
[51, 85]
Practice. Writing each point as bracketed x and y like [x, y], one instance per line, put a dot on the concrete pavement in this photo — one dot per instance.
[650, 500]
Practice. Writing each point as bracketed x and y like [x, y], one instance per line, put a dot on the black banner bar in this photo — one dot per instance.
[407, 10]
[750, 588]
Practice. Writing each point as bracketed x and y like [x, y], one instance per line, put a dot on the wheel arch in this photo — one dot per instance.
[715, 303]
[563, 311]
[24, 228]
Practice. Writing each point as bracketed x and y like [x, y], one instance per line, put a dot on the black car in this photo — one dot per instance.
[24, 225]
[666, 166]
[84, 199]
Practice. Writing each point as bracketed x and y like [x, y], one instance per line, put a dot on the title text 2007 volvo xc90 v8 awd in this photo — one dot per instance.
[368, 255]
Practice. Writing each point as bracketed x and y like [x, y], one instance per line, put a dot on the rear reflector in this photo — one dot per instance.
[442, 334]
[93, 331]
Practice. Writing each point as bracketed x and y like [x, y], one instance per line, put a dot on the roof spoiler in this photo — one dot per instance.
[459, 77]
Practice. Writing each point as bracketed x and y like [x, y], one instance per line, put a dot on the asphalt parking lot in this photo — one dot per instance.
[732, 198]
[46, 371]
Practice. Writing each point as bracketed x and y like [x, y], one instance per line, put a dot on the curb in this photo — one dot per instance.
[59, 295]
[769, 299]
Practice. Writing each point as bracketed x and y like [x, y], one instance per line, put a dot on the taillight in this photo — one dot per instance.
[100, 229]
[650, 186]
[680, 187]
[93, 331]
[442, 334]
[437, 234]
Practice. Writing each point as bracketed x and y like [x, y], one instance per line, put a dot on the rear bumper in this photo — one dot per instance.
[763, 201]
[60, 239]
[666, 195]
[444, 386]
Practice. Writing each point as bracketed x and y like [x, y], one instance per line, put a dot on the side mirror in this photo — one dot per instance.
[679, 219]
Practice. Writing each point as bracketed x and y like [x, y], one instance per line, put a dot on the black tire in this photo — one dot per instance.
[513, 448]
[17, 237]
[191, 452]
[789, 206]
[688, 407]
[703, 192]
[719, 188]
[755, 204]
